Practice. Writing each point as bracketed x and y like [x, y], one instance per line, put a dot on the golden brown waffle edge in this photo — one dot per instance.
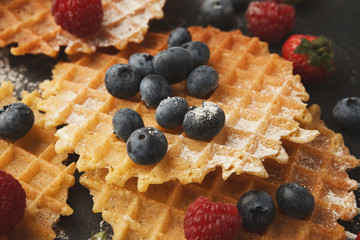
[257, 90]
[30, 24]
[33, 161]
[320, 166]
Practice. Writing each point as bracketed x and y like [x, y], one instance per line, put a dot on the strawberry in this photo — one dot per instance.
[12, 202]
[269, 20]
[358, 236]
[79, 17]
[211, 220]
[312, 57]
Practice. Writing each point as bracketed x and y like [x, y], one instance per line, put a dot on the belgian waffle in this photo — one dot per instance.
[257, 91]
[33, 161]
[320, 166]
[30, 24]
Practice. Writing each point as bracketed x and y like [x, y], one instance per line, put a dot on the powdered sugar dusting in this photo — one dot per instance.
[92, 103]
[206, 112]
[263, 151]
[246, 125]
[223, 160]
[235, 142]
[75, 118]
[17, 75]
[252, 167]
[286, 112]
[189, 155]
[127, 218]
[275, 133]
[336, 199]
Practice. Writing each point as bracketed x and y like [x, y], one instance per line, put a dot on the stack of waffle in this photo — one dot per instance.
[262, 140]
[269, 137]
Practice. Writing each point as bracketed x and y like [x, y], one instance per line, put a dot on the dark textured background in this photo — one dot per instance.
[338, 20]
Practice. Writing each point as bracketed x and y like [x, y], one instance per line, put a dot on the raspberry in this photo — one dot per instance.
[12, 202]
[79, 17]
[269, 20]
[211, 220]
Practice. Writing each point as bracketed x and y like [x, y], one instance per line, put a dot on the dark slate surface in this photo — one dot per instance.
[336, 19]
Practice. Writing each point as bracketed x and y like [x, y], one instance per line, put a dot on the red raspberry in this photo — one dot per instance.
[269, 20]
[79, 17]
[211, 221]
[12, 202]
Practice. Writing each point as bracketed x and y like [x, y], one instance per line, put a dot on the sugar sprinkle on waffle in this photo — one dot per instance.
[320, 166]
[29, 23]
[33, 161]
[260, 96]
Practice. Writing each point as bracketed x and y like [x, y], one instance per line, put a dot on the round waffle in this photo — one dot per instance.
[260, 96]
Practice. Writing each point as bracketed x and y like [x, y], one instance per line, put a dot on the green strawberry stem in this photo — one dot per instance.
[100, 236]
[319, 51]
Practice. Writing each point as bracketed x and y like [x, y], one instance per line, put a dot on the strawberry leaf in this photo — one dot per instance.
[319, 52]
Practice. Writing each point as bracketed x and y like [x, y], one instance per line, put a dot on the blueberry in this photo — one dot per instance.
[347, 113]
[147, 146]
[171, 112]
[199, 51]
[257, 210]
[174, 64]
[203, 123]
[143, 63]
[153, 89]
[178, 36]
[125, 121]
[16, 120]
[295, 200]
[202, 80]
[122, 81]
[218, 13]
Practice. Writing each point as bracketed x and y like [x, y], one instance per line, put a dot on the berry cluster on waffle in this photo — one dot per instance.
[257, 91]
[320, 166]
[33, 161]
[30, 24]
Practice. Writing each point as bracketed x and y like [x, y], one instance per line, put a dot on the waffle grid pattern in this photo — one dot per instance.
[159, 212]
[257, 91]
[33, 161]
[30, 24]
